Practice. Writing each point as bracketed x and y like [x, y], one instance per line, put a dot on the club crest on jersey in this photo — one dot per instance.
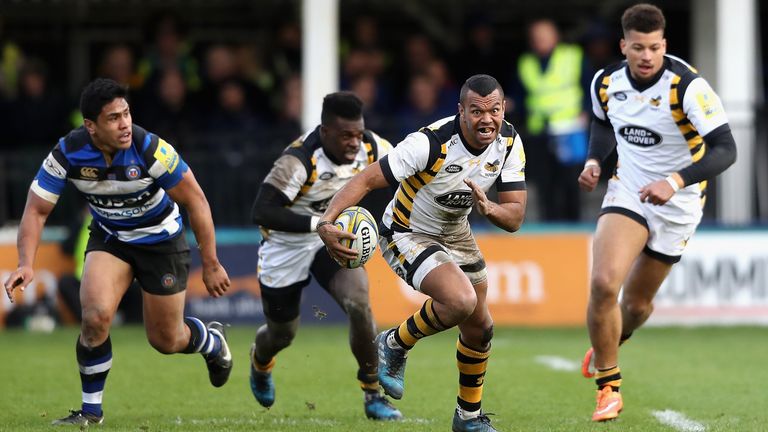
[455, 199]
[656, 101]
[639, 136]
[132, 172]
[620, 96]
[491, 168]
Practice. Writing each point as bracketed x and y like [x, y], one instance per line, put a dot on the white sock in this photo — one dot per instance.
[466, 415]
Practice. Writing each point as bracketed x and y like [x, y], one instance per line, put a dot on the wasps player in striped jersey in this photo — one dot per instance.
[441, 171]
[288, 206]
[672, 135]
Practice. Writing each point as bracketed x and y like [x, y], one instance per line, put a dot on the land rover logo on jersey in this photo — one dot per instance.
[640, 136]
[326, 176]
[132, 172]
[453, 168]
[620, 96]
[455, 199]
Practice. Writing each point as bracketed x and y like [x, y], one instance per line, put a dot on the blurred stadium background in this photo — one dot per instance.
[231, 82]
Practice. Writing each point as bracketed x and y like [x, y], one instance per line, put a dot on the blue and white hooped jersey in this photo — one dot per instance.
[127, 197]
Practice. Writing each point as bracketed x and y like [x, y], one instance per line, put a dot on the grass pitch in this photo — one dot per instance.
[714, 377]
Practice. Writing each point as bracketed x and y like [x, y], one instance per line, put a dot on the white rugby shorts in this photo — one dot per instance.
[670, 226]
[413, 255]
[281, 265]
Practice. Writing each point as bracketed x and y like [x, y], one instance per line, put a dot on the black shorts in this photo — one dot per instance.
[161, 268]
[282, 304]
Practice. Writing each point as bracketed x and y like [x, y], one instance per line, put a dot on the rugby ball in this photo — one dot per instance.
[360, 222]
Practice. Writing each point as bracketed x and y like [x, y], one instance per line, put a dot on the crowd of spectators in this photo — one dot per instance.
[241, 102]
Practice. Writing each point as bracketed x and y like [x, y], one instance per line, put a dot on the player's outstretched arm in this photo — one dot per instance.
[35, 214]
[369, 179]
[508, 213]
[189, 194]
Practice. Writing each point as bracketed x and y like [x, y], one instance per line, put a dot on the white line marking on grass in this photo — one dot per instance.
[678, 421]
[558, 363]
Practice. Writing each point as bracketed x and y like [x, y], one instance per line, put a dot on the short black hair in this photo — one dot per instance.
[344, 104]
[644, 18]
[481, 84]
[98, 93]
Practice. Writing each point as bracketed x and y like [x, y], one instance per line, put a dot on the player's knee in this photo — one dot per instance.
[357, 309]
[487, 336]
[462, 304]
[282, 338]
[637, 310]
[96, 321]
[163, 341]
[605, 287]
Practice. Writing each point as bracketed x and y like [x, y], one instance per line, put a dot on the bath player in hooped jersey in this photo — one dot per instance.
[441, 171]
[672, 135]
[132, 180]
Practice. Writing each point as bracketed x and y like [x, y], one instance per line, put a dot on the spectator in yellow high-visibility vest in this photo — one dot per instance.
[552, 77]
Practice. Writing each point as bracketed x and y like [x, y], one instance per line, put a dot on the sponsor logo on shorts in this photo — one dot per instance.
[400, 272]
[168, 280]
[620, 96]
[640, 136]
[453, 168]
[132, 172]
[89, 172]
[456, 199]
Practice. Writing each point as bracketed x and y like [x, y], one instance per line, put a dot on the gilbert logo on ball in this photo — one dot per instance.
[360, 222]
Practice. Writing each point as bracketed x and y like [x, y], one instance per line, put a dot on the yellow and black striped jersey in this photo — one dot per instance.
[309, 177]
[658, 125]
[429, 168]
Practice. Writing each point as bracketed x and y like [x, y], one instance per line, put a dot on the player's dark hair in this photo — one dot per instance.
[98, 93]
[644, 18]
[481, 84]
[342, 104]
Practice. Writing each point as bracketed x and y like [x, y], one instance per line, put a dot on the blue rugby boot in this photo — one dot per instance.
[480, 423]
[391, 366]
[262, 386]
[377, 407]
